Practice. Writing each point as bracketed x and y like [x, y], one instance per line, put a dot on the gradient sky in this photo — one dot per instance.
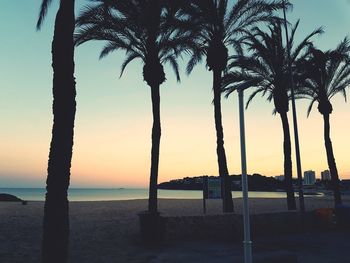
[113, 120]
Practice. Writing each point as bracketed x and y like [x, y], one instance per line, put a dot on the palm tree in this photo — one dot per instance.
[144, 30]
[215, 25]
[56, 221]
[325, 74]
[265, 68]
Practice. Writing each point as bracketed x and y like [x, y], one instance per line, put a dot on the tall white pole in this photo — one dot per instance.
[247, 242]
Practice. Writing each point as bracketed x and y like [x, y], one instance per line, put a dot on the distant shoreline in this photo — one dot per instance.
[111, 194]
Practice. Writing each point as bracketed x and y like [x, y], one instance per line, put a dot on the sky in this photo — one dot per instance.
[112, 139]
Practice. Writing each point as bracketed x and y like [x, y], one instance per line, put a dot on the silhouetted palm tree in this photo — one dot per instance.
[325, 74]
[144, 30]
[265, 68]
[215, 25]
[56, 221]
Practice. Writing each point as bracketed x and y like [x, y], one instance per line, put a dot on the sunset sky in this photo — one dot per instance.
[113, 122]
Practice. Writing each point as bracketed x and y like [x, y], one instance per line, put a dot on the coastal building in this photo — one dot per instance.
[279, 177]
[309, 177]
[325, 175]
[199, 180]
[186, 180]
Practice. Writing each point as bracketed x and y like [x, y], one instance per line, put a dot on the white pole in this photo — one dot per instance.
[247, 242]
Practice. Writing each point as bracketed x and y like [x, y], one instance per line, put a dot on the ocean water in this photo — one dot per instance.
[90, 194]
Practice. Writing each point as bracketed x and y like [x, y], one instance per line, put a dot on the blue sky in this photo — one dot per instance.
[113, 121]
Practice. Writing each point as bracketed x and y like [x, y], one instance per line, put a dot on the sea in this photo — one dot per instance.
[100, 194]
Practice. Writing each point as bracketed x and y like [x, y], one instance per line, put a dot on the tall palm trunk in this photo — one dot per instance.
[56, 220]
[331, 161]
[220, 150]
[287, 162]
[156, 133]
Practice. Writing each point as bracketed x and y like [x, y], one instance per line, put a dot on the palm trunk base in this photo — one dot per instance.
[227, 196]
[331, 160]
[291, 204]
[55, 239]
[152, 228]
[336, 192]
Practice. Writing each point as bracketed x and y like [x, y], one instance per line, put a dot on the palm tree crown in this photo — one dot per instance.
[144, 29]
[325, 74]
[217, 24]
[265, 66]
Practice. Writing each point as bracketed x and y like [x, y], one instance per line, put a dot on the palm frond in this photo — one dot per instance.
[127, 60]
[305, 43]
[310, 106]
[256, 92]
[42, 14]
[175, 66]
[196, 57]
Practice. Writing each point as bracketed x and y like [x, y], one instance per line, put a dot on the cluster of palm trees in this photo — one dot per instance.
[238, 53]
[159, 32]
[263, 67]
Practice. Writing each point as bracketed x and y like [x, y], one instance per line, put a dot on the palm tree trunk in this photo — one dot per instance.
[220, 150]
[331, 161]
[156, 133]
[56, 220]
[287, 162]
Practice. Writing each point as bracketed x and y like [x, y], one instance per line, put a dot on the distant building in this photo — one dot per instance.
[309, 177]
[279, 177]
[186, 180]
[199, 180]
[325, 175]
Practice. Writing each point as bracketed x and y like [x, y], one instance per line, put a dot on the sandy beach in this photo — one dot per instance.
[108, 231]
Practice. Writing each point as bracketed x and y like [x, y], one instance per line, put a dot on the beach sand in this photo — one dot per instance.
[108, 231]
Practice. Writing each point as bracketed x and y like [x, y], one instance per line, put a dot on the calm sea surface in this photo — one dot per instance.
[81, 194]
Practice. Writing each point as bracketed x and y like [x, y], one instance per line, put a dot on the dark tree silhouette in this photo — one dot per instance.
[56, 220]
[265, 68]
[215, 25]
[145, 30]
[323, 75]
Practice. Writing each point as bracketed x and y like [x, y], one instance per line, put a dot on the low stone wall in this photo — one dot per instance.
[203, 227]
[230, 226]
[282, 223]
